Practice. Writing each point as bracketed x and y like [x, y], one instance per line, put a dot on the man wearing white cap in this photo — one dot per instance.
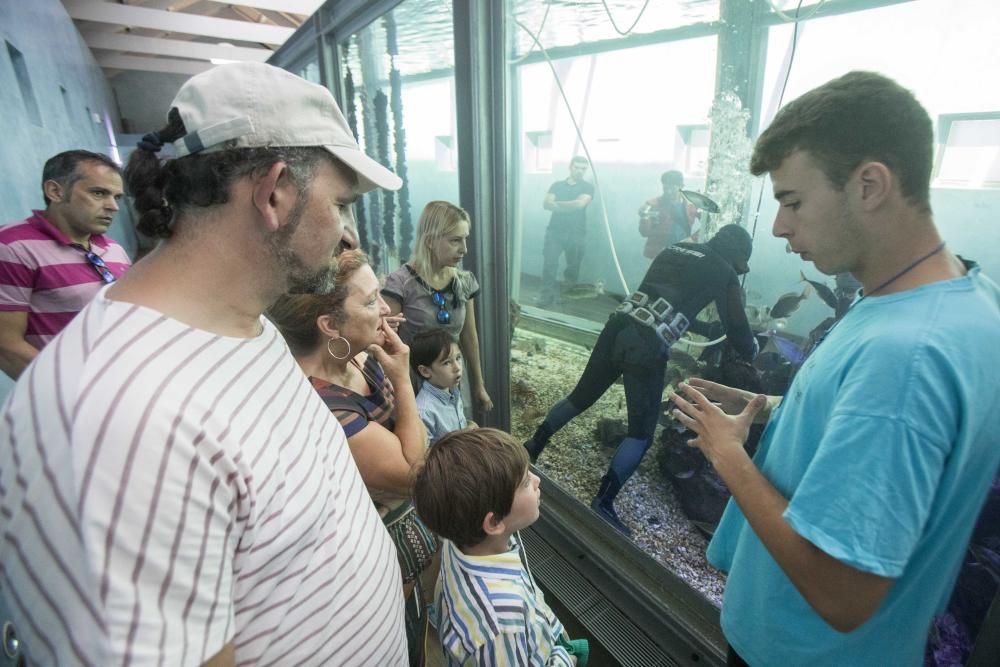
[184, 497]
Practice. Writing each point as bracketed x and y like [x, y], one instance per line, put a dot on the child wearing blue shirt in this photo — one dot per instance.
[436, 358]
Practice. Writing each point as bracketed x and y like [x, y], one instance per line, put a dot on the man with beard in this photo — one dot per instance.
[187, 498]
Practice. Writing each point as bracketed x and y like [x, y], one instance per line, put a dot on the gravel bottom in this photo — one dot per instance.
[545, 370]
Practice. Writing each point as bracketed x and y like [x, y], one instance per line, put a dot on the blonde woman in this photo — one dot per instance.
[432, 292]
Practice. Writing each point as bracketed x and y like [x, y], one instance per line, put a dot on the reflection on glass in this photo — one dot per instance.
[630, 128]
[399, 84]
[567, 23]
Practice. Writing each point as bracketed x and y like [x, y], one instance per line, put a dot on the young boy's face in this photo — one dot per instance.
[446, 371]
[527, 500]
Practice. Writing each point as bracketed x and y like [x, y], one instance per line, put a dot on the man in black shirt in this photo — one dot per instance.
[568, 200]
[682, 280]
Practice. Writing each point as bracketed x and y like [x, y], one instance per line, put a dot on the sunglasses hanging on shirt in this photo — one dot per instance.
[437, 298]
[95, 261]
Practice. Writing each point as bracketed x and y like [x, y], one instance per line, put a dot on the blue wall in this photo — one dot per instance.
[54, 55]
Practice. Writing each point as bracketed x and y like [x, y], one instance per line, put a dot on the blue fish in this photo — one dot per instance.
[789, 350]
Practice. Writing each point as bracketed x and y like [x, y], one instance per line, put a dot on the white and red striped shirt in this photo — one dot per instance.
[43, 273]
[165, 490]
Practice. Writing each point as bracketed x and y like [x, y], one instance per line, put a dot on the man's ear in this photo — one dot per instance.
[493, 526]
[53, 191]
[274, 196]
[424, 371]
[876, 182]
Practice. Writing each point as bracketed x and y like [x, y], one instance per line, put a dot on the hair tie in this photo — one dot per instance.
[151, 142]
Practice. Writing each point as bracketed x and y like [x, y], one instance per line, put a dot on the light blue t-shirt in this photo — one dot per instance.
[885, 445]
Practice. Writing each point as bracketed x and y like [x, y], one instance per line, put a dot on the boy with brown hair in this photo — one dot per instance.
[476, 491]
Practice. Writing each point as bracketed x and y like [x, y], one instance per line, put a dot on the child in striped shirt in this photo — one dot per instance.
[476, 491]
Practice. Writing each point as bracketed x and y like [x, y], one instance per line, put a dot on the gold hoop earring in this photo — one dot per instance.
[329, 348]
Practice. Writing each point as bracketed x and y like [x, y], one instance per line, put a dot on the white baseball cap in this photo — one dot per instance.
[244, 105]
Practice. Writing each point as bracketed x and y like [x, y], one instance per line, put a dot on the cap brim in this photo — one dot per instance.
[370, 173]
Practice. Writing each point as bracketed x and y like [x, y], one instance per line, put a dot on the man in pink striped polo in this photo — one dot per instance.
[53, 263]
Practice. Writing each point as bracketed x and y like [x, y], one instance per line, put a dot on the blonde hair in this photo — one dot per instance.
[295, 315]
[439, 218]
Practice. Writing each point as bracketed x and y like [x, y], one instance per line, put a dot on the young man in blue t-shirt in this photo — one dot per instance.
[846, 531]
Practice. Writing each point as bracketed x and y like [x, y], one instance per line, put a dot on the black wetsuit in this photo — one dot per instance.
[690, 276]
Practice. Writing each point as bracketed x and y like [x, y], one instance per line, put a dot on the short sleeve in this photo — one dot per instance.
[353, 421]
[868, 493]
[17, 279]
[870, 488]
[395, 284]
[467, 285]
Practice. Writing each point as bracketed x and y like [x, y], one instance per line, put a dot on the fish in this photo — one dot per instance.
[824, 292]
[789, 350]
[788, 303]
[583, 291]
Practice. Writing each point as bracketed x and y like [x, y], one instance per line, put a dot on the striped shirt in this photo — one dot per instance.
[165, 490]
[43, 273]
[491, 613]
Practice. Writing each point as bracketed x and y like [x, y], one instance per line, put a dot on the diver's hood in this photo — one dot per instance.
[734, 244]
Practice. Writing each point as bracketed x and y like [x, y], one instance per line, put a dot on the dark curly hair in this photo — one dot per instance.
[163, 190]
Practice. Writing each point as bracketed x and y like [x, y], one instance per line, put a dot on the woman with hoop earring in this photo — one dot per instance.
[360, 367]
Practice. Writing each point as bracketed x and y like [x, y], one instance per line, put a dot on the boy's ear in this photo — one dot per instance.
[493, 526]
[424, 371]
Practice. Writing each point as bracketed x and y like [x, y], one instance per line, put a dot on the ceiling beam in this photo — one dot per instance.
[173, 66]
[173, 47]
[192, 24]
[304, 7]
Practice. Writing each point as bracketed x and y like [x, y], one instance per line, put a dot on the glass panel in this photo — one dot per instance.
[309, 71]
[559, 23]
[400, 85]
[632, 122]
[969, 151]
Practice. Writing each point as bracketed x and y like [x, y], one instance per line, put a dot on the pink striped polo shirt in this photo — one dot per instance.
[44, 274]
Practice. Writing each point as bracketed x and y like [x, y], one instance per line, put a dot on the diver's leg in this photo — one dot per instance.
[643, 393]
[599, 374]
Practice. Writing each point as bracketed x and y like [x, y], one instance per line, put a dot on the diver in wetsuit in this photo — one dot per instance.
[634, 345]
